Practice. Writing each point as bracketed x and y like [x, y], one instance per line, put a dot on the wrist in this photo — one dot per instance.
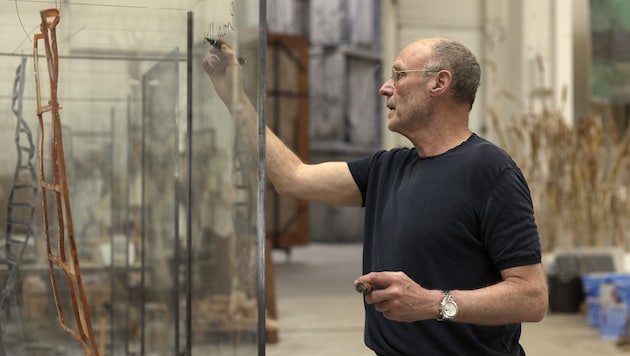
[448, 307]
[240, 104]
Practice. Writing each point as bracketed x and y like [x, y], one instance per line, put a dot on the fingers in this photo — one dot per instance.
[367, 283]
[382, 279]
[216, 43]
[380, 286]
[224, 51]
[372, 296]
[386, 307]
[395, 295]
[210, 63]
[220, 57]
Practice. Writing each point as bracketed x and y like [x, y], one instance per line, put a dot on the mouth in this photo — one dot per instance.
[392, 111]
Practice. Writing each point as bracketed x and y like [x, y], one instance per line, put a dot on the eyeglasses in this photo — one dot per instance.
[399, 74]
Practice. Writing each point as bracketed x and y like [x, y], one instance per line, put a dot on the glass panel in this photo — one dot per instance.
[223, 206]
[162, 185]
[160, 203]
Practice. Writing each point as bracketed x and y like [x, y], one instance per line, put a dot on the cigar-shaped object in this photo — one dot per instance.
[363, 287]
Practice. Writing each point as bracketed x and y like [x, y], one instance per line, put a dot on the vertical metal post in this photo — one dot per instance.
[143, 224]
[189, 136]
[262, 56]
[176, 245]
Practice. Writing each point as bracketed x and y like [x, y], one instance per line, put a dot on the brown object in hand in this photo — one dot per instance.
[363, 287]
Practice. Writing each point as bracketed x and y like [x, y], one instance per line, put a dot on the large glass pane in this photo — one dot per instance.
[162, 186]
[223, 206]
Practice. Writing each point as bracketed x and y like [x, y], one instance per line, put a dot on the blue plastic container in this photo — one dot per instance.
[592, 281]
[613, 321]
[609, 313]
[593, 307]
[622, 286]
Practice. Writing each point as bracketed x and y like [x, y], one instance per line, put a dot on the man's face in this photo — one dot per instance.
[408, 89]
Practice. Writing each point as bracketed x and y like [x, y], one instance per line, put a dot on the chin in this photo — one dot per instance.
[391, 125]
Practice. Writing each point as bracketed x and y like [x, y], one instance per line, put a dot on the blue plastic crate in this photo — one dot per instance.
[592, 281]
[593, 307]
[622, 287]
[613, 321]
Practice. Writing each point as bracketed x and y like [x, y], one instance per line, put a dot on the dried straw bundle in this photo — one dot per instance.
[578, 174]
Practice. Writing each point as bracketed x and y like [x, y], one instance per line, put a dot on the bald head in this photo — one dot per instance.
[448, 54]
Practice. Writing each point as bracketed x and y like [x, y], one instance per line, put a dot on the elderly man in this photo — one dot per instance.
[451, 248]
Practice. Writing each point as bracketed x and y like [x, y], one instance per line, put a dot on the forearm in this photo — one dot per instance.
[503, 303]
[280, 162]
[329, 182]
[520, 297]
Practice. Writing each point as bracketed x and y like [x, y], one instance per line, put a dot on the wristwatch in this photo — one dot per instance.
[448, 307]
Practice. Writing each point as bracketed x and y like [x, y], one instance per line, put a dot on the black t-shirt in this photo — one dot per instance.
[451, 221]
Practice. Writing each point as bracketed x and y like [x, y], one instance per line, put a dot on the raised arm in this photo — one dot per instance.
[329, 182]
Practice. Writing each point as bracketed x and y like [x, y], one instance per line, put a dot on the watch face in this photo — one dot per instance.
[449, 309]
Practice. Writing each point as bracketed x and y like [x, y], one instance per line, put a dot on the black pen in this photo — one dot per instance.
[217, 44]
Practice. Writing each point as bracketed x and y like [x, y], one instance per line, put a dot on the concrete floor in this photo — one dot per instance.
[320, 313]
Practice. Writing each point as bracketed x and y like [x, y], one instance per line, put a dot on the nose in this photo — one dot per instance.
[387, 89]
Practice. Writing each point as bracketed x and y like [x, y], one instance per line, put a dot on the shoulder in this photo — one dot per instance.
[486, 164]
[482, 146]
[484, 153]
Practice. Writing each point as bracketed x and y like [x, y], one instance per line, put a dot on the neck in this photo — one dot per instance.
[432, 144]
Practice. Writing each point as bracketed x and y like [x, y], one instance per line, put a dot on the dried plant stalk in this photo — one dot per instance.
[577, 173]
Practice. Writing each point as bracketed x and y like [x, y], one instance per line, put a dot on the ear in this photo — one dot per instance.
[442, 82]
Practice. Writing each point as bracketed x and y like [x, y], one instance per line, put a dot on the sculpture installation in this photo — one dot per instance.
[65, 260]
[20, 207]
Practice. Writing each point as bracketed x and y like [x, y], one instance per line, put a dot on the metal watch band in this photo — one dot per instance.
[446, 298]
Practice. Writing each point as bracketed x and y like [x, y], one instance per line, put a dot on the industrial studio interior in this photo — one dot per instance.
[138, 220]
